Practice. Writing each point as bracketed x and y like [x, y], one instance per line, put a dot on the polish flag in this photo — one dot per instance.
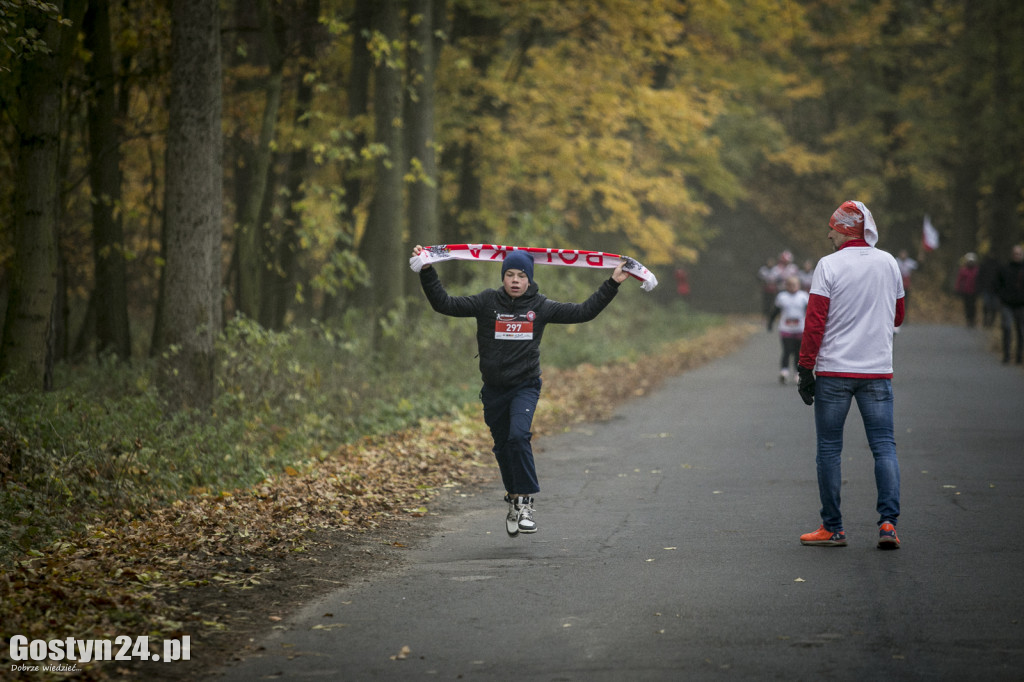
[929, 235]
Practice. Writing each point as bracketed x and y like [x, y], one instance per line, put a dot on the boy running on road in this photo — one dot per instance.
[510, 322]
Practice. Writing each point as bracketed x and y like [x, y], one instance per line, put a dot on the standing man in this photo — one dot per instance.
[856, 302]
[1010, 289]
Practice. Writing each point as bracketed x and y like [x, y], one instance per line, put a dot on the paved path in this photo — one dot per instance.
[669, 547]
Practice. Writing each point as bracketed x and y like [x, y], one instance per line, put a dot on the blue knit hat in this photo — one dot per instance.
[518, 260]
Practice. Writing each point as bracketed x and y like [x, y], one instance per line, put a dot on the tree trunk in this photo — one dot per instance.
[282, 282]
[381, 248]
[423, 216]
[27, 349]
[463, 223]
[1006, 159]
[252, 233]
[112, 330]
[358, 106]
[191, 309]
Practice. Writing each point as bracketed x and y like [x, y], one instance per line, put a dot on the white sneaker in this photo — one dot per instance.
[783, 375]
[512, 518]
[526, 524]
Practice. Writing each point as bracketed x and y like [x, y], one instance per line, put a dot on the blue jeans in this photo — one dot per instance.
[832, 398]
[508, 413]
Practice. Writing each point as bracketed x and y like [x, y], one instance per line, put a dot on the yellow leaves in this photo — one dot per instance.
[584, 133]
[800, 159]
[810, 88]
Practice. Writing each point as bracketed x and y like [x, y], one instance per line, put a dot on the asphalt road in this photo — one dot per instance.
[668, 547]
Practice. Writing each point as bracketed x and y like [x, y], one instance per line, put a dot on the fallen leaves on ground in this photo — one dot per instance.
[125, 574]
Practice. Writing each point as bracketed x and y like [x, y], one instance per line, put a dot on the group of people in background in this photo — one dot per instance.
[784, 289]
[773, 275]
[1000, 287]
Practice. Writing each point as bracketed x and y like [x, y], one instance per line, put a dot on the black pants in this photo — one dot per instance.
[1013, 325]
[508, 412]
[970, 308]
[790, 351]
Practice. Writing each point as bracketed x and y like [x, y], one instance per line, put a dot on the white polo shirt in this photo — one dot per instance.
[862, 284]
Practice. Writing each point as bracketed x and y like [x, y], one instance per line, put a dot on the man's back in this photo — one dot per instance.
[862, 284]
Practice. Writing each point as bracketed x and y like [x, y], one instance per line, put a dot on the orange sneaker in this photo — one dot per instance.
[824, 538]
[887, 538]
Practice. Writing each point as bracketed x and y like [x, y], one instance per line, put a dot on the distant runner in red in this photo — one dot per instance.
[510, 322]
[856, 302]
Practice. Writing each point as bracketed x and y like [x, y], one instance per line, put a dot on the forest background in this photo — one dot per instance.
[206, 208]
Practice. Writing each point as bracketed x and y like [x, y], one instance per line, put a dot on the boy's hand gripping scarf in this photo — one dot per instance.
[541, 256]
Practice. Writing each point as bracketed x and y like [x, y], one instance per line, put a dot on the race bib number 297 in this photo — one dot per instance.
[516, 330]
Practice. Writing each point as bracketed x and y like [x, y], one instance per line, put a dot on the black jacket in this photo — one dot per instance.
[514, 358]
[1010, 284]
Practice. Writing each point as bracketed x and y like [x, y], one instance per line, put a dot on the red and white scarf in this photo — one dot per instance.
[541, 256]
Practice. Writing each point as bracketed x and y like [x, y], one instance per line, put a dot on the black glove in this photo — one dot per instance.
[805, 384]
